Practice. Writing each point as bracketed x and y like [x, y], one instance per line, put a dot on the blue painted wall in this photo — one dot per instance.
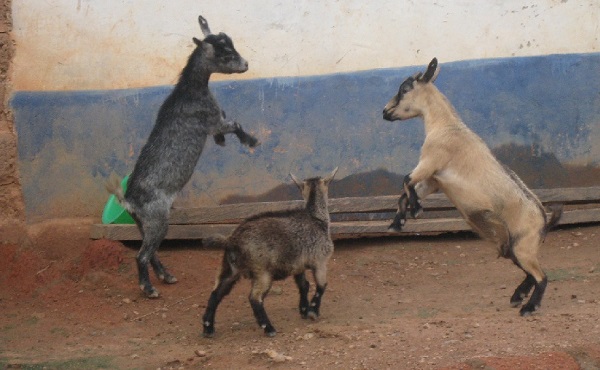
[69, 142]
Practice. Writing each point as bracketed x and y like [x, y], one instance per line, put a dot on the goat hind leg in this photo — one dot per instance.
[225, 282]
[303, 287]
[154, 231]
[161, 271]
[260, 287]
[522, 291]
[525, 255]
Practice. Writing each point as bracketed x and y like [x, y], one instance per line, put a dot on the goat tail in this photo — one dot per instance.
[557, 211]
[216, 241]
[113, 186]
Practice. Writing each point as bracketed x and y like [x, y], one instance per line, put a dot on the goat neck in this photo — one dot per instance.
[195, 74]
[316, 204]
[437, 110]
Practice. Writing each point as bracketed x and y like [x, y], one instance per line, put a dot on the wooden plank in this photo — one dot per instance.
[130, 232]
[580, 216]
[338, 229]
[233, 213]
[569, 195]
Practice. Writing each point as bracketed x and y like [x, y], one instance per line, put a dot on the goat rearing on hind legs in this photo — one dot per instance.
[166, 162]
[490, 197]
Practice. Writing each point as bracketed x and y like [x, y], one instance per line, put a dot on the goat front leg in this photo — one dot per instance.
[244, 137]
[400, 218]
[418, 184]
[422, 189]
[232, 127]
[320, 275]
[413, 198]
[303, 287]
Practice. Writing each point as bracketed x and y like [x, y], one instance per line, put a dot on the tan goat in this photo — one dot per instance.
[490, 197]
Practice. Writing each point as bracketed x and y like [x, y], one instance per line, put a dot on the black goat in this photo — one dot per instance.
[167, 160]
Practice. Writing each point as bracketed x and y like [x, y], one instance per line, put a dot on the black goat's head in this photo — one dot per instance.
[402, 106]
[217, 52]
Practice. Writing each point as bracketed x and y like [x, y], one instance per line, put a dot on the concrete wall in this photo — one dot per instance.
[524, 77]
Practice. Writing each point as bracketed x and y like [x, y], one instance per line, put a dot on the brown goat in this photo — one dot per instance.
[272, 246]
[490, 197]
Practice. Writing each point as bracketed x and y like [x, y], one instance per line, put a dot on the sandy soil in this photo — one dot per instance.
[427, 302]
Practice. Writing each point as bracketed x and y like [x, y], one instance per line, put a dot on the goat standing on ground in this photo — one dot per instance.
[167, 160]
[272, 246]
[490, 197]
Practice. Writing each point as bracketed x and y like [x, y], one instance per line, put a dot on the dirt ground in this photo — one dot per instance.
[426, 302]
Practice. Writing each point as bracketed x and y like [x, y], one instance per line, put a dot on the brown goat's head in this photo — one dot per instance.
[217, 53]
[314, 185]
[404, 104]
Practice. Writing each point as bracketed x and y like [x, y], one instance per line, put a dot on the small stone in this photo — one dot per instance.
[308, 336]
[135, 356]
[277, 357]
[126, 300]
[200, 353]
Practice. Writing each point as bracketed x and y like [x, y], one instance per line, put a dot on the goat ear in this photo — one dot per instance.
[196, 41]
[204, 26]
[331, 175]
[298, 183]
[431, 72]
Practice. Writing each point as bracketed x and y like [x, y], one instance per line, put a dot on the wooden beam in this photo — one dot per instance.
[233, 213]
[338, 229]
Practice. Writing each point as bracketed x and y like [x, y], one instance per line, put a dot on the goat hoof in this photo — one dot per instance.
[253, 142]
[169, 279]
[394, 228]
[219, 139]
[270, 333]
[417, 213]
[515, 304]
[208, 333]
[152, 293]
[149, 291]
[312, 315]
[527, 310]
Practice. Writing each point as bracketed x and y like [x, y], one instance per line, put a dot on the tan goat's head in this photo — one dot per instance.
[404, 104]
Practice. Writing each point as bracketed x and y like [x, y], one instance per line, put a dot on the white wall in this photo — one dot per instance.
[111, 44]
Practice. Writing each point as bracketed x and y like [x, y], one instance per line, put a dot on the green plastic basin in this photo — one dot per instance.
[113, 212]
